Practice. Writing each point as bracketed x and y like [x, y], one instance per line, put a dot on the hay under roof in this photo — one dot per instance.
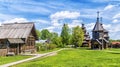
[16, 30]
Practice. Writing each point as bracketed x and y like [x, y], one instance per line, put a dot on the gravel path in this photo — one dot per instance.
[36, 56]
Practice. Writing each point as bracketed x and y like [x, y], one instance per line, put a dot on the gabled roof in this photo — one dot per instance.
[17, 30]
[98, 27]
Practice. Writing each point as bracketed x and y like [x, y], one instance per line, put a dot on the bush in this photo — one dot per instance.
[51, 46]
[43, 47]
[61, 45]
[38, 46]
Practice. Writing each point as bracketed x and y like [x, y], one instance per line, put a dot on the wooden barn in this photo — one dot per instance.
[17, 38]
[100, 38]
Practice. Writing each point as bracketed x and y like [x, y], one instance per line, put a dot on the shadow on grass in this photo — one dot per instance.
[114, 52]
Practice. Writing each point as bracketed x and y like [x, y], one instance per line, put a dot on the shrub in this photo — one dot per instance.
[51, 46]
[38, 46]
[43, 47]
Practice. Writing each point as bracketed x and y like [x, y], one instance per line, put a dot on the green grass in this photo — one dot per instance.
[41, 52]
[78, 58]
[4, 60]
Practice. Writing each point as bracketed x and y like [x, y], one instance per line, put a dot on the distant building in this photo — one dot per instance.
[100, 38]
[86, 41]
[115, 44]
[17, 38]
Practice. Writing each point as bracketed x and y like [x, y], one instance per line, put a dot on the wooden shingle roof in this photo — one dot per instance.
[98, 27]
[16, 30]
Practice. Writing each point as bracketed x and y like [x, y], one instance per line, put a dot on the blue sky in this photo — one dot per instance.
[52, 14]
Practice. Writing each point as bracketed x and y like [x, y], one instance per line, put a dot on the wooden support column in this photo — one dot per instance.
[8, 48]
[18, 49]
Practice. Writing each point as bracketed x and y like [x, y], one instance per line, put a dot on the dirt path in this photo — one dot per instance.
[36, 56]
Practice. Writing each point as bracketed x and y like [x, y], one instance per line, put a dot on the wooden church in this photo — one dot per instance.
[86, 41]
[100, 37]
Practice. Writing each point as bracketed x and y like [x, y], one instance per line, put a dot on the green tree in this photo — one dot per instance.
[54, 34]
[45, 34]
[65, 34]
[57, 41]
[77, 36]
[38, 33]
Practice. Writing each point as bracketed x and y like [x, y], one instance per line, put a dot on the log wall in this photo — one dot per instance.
[3, 52]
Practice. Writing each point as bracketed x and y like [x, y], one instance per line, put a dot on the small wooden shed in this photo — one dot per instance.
[17, 38]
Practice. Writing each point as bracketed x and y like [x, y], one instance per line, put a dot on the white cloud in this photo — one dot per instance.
[115, 28]
[42, 21]
[108, 7]
[57, 19]
[115, 35]
[18, 20]
[115, 21]
[90, 26]
[51, 28]
[6, 16]
[55, 22]
[116, 16]
[75, 23]
[65, 15]
[107, 26]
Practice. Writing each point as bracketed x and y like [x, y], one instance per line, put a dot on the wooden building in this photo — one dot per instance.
[86, 41]
[17, 38]
[100, 38]
[115, 44]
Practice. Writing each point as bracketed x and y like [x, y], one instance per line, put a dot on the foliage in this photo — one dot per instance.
[57, 41]
[77, 36]
[77, 58]
[4, 60]
[40, 47]
[38, 33]
[45, 34]
[44, 47]
[114, 40]
[51, 46]
[54, 35]
[65, 34]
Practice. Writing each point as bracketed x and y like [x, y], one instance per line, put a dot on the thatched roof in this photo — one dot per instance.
[17, 30]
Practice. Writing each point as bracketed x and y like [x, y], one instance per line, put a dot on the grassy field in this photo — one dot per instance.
[4, 60]
[41, 52]
[78, 58]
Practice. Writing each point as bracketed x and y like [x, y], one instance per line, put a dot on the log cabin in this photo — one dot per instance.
[17, 38]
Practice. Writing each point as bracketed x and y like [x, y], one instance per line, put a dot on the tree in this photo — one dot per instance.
[45, 34]
[65, 34]
[54, 34]
[38, 33]
[57, 41]
[77, 36]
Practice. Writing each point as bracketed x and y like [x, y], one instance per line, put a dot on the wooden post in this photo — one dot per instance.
[18, 49]
[7, 46]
